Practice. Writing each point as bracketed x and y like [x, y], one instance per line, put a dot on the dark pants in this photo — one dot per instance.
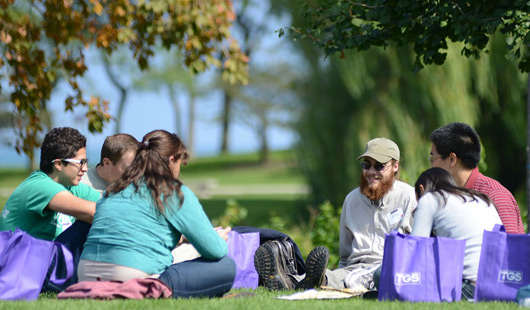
[200, 277]
[73, 239]
[468, 290]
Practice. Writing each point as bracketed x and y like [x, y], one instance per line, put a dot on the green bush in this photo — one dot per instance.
[232, 216]
[326, 229]
[277, 222]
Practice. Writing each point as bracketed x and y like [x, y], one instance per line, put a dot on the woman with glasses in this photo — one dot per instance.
[141, 218]
[447, 210]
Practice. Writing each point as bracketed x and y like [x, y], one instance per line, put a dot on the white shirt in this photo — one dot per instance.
[458, 219]
[92, 179]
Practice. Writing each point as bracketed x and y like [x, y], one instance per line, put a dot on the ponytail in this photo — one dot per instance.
[151, 168]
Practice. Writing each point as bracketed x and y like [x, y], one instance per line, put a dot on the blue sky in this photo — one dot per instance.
[148, 111]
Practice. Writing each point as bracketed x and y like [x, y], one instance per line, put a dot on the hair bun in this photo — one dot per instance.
[143, 145]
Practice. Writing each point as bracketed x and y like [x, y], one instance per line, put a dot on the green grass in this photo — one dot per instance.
[12, 177]
[244, 169]
[261, 300]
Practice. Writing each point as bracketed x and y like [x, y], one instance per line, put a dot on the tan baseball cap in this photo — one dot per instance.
[381, 149]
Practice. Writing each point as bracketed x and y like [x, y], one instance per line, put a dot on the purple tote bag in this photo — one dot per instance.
[421, 269]
[241, 248]
[24, 263]
[504, 265]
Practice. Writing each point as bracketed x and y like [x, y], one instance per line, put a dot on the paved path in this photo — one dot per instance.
[208, 188]
[237, 190]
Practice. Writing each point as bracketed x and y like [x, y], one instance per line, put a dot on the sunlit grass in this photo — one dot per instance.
[12, 177]
[262, 299]
[244, 169]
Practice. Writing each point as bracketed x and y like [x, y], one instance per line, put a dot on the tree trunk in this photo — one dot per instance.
[121, 106]
[191, 124]
[175, 103]
[123, 91]
[227, 105]
[264, 147]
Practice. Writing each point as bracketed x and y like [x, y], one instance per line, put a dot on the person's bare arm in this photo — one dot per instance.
[223, 232]
[65, 202]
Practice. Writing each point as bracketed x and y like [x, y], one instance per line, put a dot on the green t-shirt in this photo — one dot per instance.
[27, 208]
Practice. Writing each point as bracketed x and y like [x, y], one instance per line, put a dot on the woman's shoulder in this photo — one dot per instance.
[428, 198]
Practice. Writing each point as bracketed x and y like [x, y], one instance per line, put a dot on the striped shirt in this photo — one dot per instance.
[502, 199]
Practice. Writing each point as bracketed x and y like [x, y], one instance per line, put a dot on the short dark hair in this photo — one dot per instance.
[458, 138]
[60, 142]
[116, 145]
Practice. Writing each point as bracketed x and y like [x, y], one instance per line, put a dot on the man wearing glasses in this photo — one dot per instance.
[456, 148]
[380, 204]
[47, 203]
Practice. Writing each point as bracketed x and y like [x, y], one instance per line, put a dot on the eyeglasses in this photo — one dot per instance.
[431, 159]
[81, 162]
[378, 167]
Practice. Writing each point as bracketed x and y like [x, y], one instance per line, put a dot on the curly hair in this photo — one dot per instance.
[60, 142]
[151, 167]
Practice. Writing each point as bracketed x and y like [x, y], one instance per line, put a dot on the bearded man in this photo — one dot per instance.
[379, 205]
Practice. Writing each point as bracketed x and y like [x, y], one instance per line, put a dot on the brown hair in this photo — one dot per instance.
[116, 145]
[151, 167]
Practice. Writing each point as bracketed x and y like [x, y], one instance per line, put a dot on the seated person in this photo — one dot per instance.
[447, 210]
[456, 148]
[117, 153]
[50, 200]
[142, 217]
[380, 204]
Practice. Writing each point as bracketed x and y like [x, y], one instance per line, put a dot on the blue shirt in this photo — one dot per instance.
[128, 230]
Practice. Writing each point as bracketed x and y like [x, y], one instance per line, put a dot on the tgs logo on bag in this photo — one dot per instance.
[511, 276]
[413, 278]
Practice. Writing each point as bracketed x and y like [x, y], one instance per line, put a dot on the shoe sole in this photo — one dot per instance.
[266, 265]
[316, 264]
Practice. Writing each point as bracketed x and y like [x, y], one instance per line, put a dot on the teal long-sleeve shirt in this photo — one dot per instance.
[128, 230]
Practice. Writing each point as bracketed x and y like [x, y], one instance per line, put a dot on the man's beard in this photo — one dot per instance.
[376, 192]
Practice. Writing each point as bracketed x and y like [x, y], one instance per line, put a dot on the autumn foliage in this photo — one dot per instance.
[43, 41]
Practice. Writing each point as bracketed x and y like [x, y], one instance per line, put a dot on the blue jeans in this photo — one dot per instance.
[200, 277]
[73, 239]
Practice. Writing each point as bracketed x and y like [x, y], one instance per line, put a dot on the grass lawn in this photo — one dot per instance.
[244, 169]
[262, 299]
